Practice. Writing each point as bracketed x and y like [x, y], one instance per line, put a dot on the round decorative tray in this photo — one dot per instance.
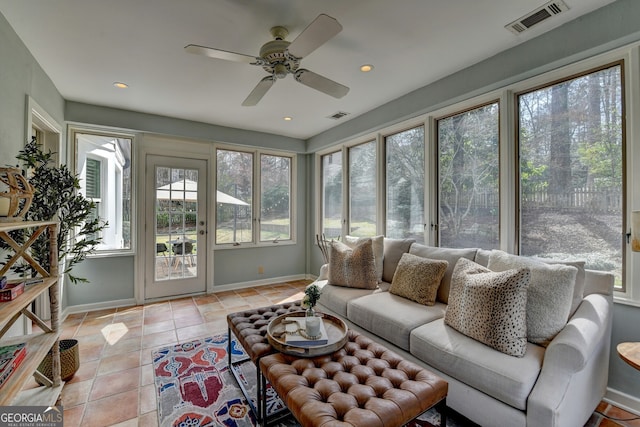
[336, 335]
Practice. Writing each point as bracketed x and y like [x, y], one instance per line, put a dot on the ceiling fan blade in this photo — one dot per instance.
[323, 84]
[222, 54]
[315, 35]
[259, 91]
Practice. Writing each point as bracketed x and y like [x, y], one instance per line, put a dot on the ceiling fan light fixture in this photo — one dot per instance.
[287, 118]
[280, 71]
[365, 68]
[120, 85]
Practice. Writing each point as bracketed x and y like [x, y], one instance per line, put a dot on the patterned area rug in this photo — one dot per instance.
[195, 388]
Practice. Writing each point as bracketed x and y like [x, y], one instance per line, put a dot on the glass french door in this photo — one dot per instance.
[176, 215]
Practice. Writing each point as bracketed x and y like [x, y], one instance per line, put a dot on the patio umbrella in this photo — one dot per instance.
[186, 189]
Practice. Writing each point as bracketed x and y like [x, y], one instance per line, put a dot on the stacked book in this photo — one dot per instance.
[11, 357]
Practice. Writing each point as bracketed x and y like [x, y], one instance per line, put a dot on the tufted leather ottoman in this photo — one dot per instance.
[250, 330]
[362, 384]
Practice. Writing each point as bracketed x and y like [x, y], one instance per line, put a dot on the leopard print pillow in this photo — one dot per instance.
[490, 306]
[418, 278]
[354, 268]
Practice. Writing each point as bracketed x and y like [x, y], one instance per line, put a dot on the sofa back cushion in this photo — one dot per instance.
[355, 268]
[448, 254]
[490, 306]
[418, 279]
[377, 243]
[393, 250]
[549, 295]
[482, 257]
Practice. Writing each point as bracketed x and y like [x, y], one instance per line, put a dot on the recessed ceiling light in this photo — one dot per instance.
[287, 119]
[121, 85]
[366, 68]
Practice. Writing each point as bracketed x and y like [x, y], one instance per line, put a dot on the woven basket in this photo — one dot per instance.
[69, 361]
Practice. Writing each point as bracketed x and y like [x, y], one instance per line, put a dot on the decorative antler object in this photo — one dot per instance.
[16, 194]
[323, 244]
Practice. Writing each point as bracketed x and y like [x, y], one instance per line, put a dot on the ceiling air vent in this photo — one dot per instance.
[540, 14]
[338, 115]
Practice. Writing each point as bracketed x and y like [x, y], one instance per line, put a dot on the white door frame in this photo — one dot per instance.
[176, 147]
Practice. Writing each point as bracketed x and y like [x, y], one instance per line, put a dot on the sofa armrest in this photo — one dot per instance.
[575, 369]
[573, 346]
[324, 272]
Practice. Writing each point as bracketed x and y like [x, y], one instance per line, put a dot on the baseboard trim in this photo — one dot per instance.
[262, 282]
[622, 400]
[81, 308]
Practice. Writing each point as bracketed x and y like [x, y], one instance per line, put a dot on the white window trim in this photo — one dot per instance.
[257, 195]
[76, 128]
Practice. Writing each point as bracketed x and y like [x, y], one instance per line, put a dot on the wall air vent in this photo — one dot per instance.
[338, 115]
[542, 13]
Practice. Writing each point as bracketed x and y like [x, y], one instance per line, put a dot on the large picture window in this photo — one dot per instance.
[275, 200]
[332, 195]
[237, 201]
[405, 184]
[468, 178]
[570, 141]
[103, 165]
[362, 189]
[234, 197]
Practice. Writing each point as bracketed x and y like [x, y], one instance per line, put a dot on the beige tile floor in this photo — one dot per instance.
[114, 385]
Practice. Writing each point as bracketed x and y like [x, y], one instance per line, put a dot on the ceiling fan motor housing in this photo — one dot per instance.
[274, 52]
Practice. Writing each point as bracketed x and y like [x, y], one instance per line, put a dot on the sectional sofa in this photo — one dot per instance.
[558, 382]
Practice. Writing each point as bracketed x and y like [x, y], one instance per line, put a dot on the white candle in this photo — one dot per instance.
[312, 326]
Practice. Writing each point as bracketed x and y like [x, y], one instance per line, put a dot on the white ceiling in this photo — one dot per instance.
[86, 45]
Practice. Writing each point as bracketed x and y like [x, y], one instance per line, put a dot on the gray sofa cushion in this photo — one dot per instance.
[482, 257]
[393, 250]
[335, 298]
[390, 316]
[506, 378]
[448, 254]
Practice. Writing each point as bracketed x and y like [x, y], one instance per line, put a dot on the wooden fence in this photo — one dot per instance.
[585, 199]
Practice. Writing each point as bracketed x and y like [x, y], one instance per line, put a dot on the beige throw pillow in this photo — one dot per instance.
[451, 255]
[393, 250]
[549, 296]
[378, 250]
[418, 279]
[354, 268]
[489, 306]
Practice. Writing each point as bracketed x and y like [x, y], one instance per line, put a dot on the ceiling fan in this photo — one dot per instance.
[280, 57]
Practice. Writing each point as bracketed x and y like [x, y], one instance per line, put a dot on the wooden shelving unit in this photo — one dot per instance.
[38, 344]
